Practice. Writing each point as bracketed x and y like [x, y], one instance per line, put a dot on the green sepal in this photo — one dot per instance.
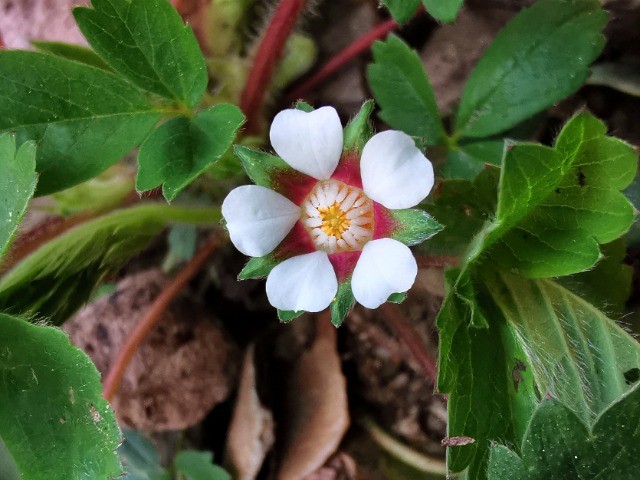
[342, 303]
[398, 297]
[287, 316]
[414, 226]
[260, 166]
[358, 131]
[304, 106]
[258, 267]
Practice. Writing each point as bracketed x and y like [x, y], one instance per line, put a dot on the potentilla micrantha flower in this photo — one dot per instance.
[329, 219]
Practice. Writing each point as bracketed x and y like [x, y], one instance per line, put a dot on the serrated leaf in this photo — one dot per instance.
[556, 205]
[402, 10]
[559, 445]
[60, 276]
[199, 466]
[53, 419]
[17, 184]
[562, 344]
[181, 149]
[464, 207]
[147, 42]
[403, 91]
[443, 10]
[540, 57]
[82, 118]
[413, 226]
[71, 51]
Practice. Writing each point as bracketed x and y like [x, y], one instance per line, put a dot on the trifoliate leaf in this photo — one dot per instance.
[82, 118]
[403, 91]
[556, 205]
[147, 42]
[60, 276]
[181, 149]
[17, 184]
[53, 420]
[540, 57]
[559, 445]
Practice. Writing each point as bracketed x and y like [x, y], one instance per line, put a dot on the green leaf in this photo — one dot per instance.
[140, 458]
[443, 10]
[53, 419]
[70, 51]
[358, 131]
[577, 354]
[60, 276]
[540, 57]
[539, 333]
[402, 10]
[608, 285]
[342, 303]
[17, 184]
[83, 118]
[464, 207]
[559, 445]
[199, 466]
[556, 205]
[147, 42]
[181, 149]
[403, 91]
[413, 226]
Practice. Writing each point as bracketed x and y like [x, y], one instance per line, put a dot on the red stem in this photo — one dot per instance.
[410, 338]
[360, 45]
[269, 52]
[153, 314]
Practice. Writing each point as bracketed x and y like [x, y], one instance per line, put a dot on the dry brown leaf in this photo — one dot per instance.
[24, 20]
[251, 433]
[316, 406]
[183, 369]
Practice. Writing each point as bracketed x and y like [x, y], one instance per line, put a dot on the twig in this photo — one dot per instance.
[337, 62]
[150, 318]
[410, 338]
[269, 52]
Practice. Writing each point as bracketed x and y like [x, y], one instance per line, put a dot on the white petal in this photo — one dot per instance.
[386, 266]
[394, 172]
[309, 142]
[258, 219]
[306, 282]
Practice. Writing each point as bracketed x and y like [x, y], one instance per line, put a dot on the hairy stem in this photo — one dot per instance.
[269, 52]
[153, 314]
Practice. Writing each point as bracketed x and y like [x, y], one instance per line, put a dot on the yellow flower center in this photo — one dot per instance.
[338, 217]
[334, 220]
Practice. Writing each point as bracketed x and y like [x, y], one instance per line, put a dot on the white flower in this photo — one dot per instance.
[341, 213]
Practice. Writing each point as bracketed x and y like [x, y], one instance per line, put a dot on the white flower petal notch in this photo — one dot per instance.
[386, 266]
[310, 142]
[258, 219]
[394, 171]
[305, 282]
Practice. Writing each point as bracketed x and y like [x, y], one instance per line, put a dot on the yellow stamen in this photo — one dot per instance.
[334, 220]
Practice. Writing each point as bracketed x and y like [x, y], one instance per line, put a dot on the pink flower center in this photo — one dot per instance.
[338, 217]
